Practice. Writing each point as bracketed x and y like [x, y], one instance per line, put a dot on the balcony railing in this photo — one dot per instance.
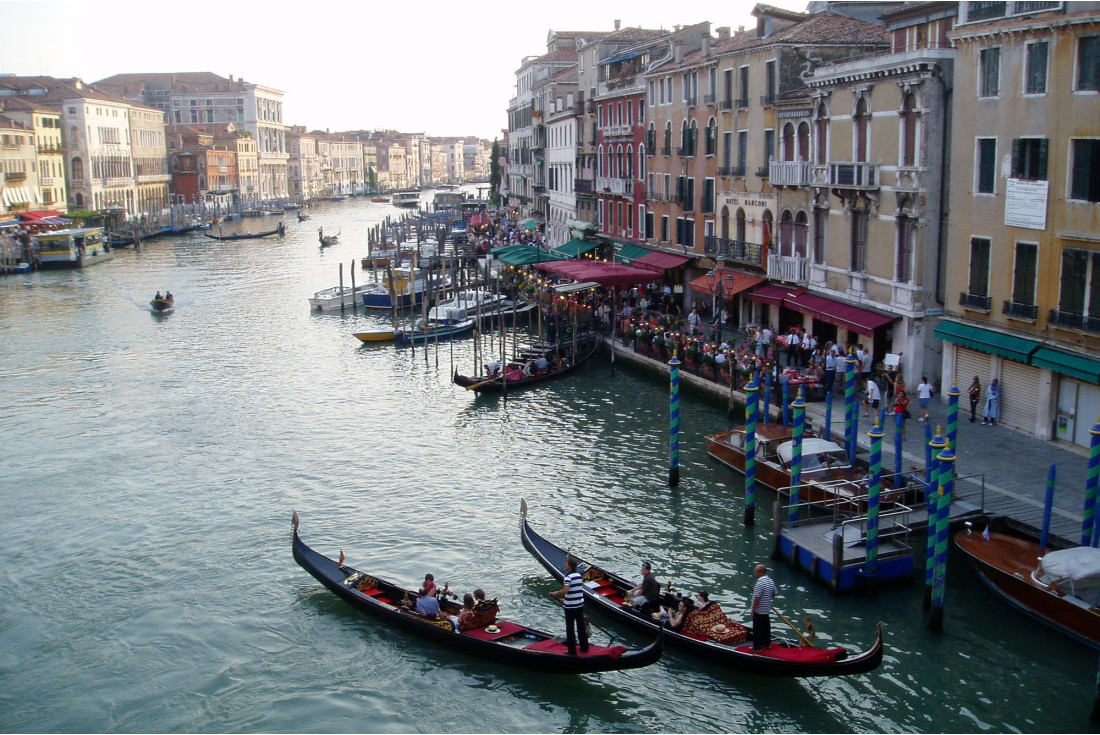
[909, 178]
[15, 176]
[852, 175]
[584, 186]
[48, 181]
[974, 301]
[619, 187]
[789, 173]
[1017, 310]
[738, 251]
[788, 268]
[741, 103]
[686, 152]
[708, 99]
[691, 100]
[767, 100]
[725, 105]
[731, 170]
[1074, 320]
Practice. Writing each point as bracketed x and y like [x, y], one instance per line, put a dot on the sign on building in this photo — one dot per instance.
[1026, 204]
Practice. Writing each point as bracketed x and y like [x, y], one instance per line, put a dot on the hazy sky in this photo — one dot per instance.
[443, 68]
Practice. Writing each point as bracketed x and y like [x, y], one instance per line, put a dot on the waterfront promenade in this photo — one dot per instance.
[1014, 466]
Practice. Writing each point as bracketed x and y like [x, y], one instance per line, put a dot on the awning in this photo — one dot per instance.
[660, 262]
[41, 214]
[605, 274]
[627, 253]
[526, 255]
[1074, 366]
[624, 56]
[48, 221]
[733, 282]
[16, 195]
[774, 294]
[528, 224]
[576, 247]
[853, 318]
[9, 223]
[986, 340]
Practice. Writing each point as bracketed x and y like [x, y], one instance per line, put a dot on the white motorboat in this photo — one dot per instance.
[336, 298]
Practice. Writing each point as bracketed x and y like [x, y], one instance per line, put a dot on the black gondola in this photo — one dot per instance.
[303, 217]
[502, 641]
[280, 230]
[517, 379]
[605, 591]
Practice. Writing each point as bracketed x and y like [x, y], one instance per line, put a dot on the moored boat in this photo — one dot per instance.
[718, 639]
[435, 331]
[1058, 588]
[491, 639]
[524, 373]
[337, 297]
[375, 335]
[73, 248]
[405, 199]
[409, 286]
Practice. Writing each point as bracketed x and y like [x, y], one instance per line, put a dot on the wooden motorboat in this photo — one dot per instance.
[376, 335]
[519, 375]
[163, 305]
[434, 331]
[606, 592]
[280, 230]
[496, 639]
[829, 480]
[1059, 588]
[380, 200]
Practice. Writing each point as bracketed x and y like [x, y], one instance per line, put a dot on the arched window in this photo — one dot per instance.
[724, 223]
[600, 162]
[78, 168]
[620, 164]
[801, 234]
[786, 233]
[788, 142]
[712, 137]
[641, 163]
[684, 138]
[79, 199]
[821, 135]
[909, 131]
[862, 119]
[769, 231]
[629, 162]
[693, 138]
[803, 152]
[666, 148]
[740, 225]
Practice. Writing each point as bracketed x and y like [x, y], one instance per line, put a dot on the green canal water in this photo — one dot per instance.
[150, 465]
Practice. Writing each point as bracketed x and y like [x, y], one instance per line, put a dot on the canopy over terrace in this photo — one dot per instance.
[605, 274]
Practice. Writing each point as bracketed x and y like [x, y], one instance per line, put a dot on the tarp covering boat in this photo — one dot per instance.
[1075, 571]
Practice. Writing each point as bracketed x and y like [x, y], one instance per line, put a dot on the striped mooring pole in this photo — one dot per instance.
[870, 569]
[766, 406]
[1092, 480]
[1048, 508]
[674, 421]
[752, 408]
[850, 408]
[935, 446]
[953, 418]
[929, 466]
[799, 406]
[899, 429]
[786, 403]
[829, 415]
[947, 484]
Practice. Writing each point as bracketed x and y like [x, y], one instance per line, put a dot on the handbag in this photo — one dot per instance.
[907, 414]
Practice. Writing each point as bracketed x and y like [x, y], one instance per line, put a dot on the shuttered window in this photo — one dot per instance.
[990, 70]
[978, 283]
[1036, 82]
[906, 230]
[1023, 276]
[1088, 63]
[859, 240]
[821, 216]
[1085, 180]
[987, 165]
[1029, 158]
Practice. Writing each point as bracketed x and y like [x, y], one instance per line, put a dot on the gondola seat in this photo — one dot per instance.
[701, 623]
[482, 616]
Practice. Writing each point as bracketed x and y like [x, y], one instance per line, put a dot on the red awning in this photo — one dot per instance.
[660, 262]
[40, 214]
[733, 282]
[774, 294]
[605, 274]
[863, 321]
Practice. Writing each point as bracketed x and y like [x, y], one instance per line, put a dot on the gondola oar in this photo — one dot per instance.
[589, 620]
[807, 641]
[475, 386]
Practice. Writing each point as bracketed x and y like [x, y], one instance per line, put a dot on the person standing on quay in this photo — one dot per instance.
[573, 594]
[992, 404]
[762, 595]
[974, 392]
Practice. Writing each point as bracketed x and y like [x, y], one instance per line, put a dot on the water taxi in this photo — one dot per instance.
[73, 248]
[406, 199]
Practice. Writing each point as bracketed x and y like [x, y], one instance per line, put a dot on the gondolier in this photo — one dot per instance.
[762, 595]
[573, 595]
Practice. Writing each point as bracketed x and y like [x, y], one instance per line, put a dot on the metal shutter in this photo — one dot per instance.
[1019, 396]
[969, 363]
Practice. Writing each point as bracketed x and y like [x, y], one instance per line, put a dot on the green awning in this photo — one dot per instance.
[1075, 366]
[528, 254]
[528, 224]
[576, 247]
[986, 340]
[506, 249]
[626, 253]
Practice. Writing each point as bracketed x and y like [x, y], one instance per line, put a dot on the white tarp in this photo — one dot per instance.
[1075, 571]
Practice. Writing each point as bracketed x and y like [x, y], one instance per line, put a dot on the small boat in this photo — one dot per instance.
[435, 331]
[606, 592]
[828, 479]
[1059, 588]
[337, 198]
[519, 375]
[327, 240]
[379, 200]
[405, 199]
[302, 217]
[376, 335]
[378, 259]
[280, 230]
[409, 284]
[291, 207]
[338, 298]
[493, 639]
[164, 304]
[73, 248]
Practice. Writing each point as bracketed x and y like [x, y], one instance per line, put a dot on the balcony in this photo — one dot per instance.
[691, 100]
[618, 187]
[584, 186]
[788, 268]
[731, 170]
[742, 103]
[15, 176]
[1075, 320]
[47, 181]
[612, 131]
[767, 100]
[709, 99]
[1020, 311]
[974, 302]
[725, 105]
[740, 252]
[850, 175]
[686, 152]
[909, 178]
[789, 173]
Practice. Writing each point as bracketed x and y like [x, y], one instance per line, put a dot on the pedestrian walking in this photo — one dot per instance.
[924, 397]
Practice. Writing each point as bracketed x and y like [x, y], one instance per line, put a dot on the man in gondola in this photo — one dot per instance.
[647, 591]
[762, 595]
[573, 595]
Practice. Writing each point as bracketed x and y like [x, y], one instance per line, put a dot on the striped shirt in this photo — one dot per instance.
[762, 595]
[575, 596]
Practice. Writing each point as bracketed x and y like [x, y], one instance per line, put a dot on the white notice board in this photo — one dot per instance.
[1026, 204]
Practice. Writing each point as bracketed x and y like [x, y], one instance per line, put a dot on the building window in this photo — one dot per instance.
[1085, 180]
[1036, 79]
[978, 283]
[1088, 63]
[821, 134]
[989, 64]
[909, 131]
[712, 137]
[987, 165]
[1024, 276]
[707, 205]
[907, 228]
[742, 150]
[743, 100]
[664, 228]
[1079, 298]
[821, 218]
[1029, 158]
[859, 240]
[862, 129]
[769, 147]
[649, 225]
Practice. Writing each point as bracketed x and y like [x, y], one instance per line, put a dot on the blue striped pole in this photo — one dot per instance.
[899, 429]
[786, 404]
[752, 408]
[929, 467]
[1048, 506]
[932, 506]
[1092, 480]
[674, 421]
[850, 407]
[766, 407]
[947, 468]
[953, 418]
[829, 415]
[854, 450]
[799, 406]
[873, 494]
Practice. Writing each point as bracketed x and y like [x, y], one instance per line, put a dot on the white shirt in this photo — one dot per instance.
[873, 392]
[924, 390]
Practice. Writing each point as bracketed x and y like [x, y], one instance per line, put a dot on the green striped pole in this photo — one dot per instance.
[752, 408]
[674, 421]
[767, 405]
[799, 406]
[936, 446]
[1088, 532]
[873, 493]
[953, 417]
[947, 468]
[850, 407]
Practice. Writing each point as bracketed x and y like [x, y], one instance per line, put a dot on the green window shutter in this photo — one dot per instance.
[1017, 164]
[1044, 150]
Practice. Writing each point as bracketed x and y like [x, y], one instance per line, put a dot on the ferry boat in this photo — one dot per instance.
[406, 199]
[73, 248]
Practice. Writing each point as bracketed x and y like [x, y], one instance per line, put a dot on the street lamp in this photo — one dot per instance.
[717, 290]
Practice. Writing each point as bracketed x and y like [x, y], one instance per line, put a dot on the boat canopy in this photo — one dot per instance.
[1075, 571]
[816, 453]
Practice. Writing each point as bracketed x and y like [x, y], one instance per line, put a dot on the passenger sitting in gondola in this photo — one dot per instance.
[492, 368]
[646, 592]
[428, 605]
[676, 617]
[429, 584]
[542, 365]
[513, 373]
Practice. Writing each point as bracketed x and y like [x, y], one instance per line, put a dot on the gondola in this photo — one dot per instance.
[605, 591]
[327, 240]
[303, 217]
[518, 380]
[249, 235]
[498, 640]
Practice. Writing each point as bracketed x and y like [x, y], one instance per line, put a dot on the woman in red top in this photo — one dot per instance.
[901, 405]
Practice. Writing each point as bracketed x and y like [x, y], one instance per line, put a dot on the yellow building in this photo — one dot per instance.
[46, 124]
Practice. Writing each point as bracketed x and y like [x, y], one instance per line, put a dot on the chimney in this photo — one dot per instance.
[230, 77]
[617, 24]
[706, 46]
[678, 51]
[723, 33]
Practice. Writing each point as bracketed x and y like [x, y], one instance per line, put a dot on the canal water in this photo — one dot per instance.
[150, 465]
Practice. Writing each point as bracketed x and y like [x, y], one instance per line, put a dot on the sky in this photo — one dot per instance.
[441, 68]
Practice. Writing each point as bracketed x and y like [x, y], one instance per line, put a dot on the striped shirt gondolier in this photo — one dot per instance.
[575, 596]
[765, 591]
